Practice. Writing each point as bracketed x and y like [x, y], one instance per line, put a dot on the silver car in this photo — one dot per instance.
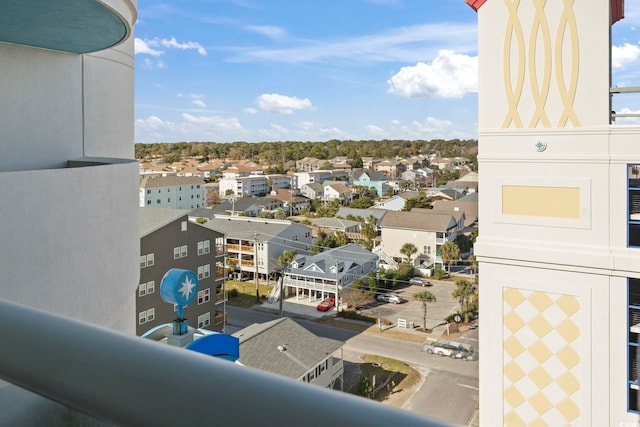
[391, 297]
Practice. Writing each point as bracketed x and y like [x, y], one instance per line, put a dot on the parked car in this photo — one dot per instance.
[452, 349]
[326, 304]
[391, 297]
[419, 281]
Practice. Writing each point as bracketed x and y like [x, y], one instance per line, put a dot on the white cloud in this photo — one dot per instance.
[199, 103]
[267, 30]
[146, 47]
[250, 110]
[173, 43]
[306, 125]
[333, 133]
[623, 55]
[374, 130]
[282, 104]
[143, 48]
[213, 122]
[274, 132]
[449, 75]
[432, 125]
[404, 44]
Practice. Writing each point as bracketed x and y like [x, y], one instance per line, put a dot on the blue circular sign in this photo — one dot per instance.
[179, 287]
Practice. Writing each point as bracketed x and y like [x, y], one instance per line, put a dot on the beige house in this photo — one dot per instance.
[425, 229]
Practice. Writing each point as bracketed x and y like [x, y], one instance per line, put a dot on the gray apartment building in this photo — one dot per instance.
[169, 240]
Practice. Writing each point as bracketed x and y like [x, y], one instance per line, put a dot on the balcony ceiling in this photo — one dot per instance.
[74, 26]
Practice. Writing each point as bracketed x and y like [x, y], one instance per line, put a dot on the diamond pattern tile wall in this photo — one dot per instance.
[541, 345]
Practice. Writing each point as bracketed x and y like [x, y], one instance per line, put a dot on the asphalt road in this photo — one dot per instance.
[450, 388]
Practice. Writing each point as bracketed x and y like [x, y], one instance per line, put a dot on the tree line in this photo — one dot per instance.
[277, 154]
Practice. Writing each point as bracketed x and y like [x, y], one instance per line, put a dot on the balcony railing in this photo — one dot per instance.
[622, 90]
[219, 318]
[221, 297]
[220, 250]
[131, 381]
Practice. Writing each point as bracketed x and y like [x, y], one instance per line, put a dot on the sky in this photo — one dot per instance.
[311, 70]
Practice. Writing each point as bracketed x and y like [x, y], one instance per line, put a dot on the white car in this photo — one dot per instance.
[419, 281]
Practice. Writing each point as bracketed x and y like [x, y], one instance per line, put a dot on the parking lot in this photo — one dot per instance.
[411, 311]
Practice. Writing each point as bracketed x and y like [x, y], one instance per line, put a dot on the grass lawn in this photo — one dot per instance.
[246, 293]
[404, 378]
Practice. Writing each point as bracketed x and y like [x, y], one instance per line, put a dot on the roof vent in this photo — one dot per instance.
[282, 347]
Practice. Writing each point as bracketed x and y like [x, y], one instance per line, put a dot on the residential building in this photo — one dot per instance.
[327, 273]
[280, 181]
[336, 191]
[271, 346]
[315, 177]
[558, 246]
[467, 204]
[309, 164]
[425, 229]
[372, 179]
[397, 202]
[169, 240]
[246, 186]
[331, 225]
[254, 244]
[292, 200]
[248, 206]
[312, 191]
[172, 192]
[67, 131]
[390, 168]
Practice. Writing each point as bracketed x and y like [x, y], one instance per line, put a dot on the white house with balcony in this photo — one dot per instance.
[315, 177]
[246, 186]
[325, 274]
[254, 244]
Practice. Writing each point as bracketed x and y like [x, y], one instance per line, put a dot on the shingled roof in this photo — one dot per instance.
[283, 347]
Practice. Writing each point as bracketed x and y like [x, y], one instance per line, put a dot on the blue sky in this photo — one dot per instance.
[310, 70]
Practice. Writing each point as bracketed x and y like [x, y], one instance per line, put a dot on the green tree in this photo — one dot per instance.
[449, 252]
[464, 292]
[473, 262]
[408, 249]
[362, 202]
[420, 201]
[424, 297]
[287, 257]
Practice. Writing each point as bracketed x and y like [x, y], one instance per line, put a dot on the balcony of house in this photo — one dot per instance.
[238, 246]
[219, 318]
[221, 297]
[310, 283]
[221, 250]
[77, 360]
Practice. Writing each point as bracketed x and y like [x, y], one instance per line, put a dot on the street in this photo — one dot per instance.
[449, 391]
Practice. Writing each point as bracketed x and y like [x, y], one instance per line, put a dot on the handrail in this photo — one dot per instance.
[131, 381]
[621, 90]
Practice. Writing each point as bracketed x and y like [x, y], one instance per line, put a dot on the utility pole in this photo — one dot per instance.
[337, 288]
[255, 263]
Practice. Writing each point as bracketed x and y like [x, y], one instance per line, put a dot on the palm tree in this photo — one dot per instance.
[424, 297]
[463, 291]
[408, 249]
[449, 252]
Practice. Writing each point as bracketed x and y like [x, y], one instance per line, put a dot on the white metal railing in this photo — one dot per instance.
[131, 381]
[622, 90]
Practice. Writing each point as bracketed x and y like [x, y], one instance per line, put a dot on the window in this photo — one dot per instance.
[148, 202]
[148, 191]
[169, 200]
[183, 251]
[157, 201]
[204, 247]
[633, 205]
[183, 226]
[633, 319]
[204, 296]
[146, 260]
[159, 190]
[176, 252]
[146, 288]
[204, 271]
[146, 316]
[204, 320]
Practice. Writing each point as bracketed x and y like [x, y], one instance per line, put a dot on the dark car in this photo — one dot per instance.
[326, 304]
[391, 297]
